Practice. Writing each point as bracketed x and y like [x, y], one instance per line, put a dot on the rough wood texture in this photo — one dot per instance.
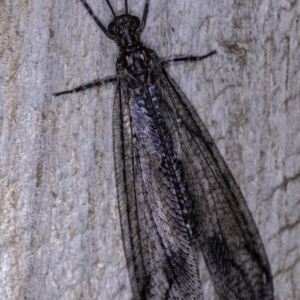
[60, 234]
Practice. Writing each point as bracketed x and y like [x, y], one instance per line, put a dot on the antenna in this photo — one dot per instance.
[97, 20]
[144, 16]
[109, 5]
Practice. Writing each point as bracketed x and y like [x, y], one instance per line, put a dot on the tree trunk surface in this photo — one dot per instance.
[60, 232]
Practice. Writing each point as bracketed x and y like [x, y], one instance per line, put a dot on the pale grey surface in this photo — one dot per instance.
[60, 234]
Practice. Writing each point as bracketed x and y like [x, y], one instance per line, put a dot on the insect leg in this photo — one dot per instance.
[87, 86]
[187, 58]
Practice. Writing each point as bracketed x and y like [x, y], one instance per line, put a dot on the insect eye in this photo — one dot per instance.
[136, 21]
[112, 28]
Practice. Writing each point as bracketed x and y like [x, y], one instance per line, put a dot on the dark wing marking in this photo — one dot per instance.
[158, 251]
[232, 247]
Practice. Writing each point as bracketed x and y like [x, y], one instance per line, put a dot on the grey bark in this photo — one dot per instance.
[59, 231]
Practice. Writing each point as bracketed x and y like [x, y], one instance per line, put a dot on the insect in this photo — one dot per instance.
[174, 188]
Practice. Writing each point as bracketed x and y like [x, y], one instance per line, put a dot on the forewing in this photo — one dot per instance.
[232, 247]
[158, 251]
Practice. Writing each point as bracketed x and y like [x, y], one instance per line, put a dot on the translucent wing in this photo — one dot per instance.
[158, 251]
[232, 247]
[175, 188]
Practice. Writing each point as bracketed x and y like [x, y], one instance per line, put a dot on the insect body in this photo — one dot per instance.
[174, 188]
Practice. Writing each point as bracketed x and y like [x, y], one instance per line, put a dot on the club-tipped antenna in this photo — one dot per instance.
[144, 16]
[126, 7]
[112, 10]
[103, 28]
